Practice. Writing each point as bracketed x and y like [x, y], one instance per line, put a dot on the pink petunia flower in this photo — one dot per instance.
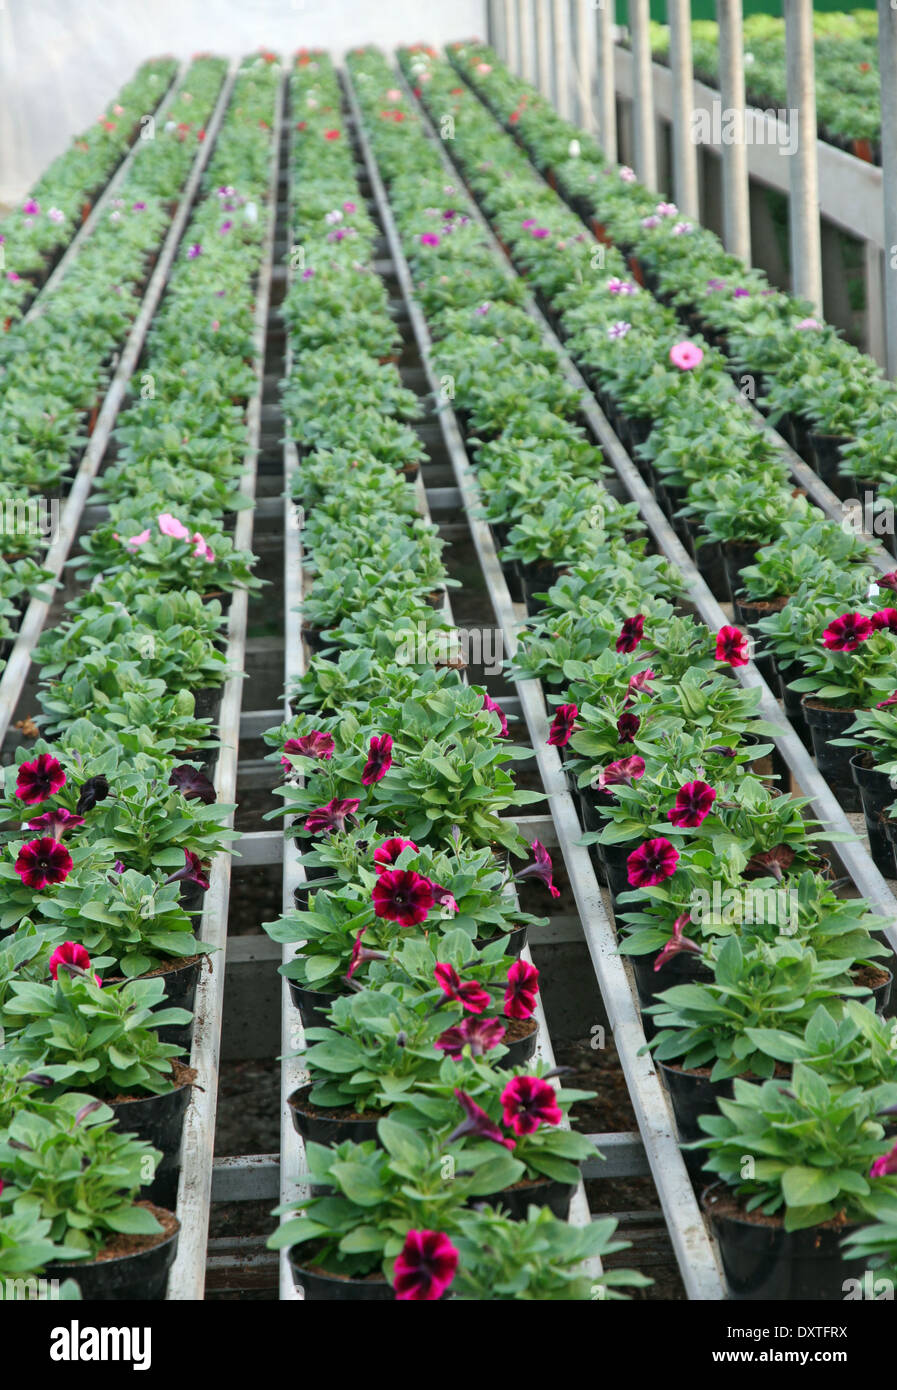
[686, 356]
[652, 863]
[693, 803]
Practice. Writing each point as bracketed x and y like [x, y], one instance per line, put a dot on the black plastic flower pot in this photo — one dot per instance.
[520, 1049]
[542, 1192]
[793, 702]
[319, 1286]
[314, 1005]
[537, 579]
[736, 557]
[192, 896]
[140, 1275]
[827, 723]
[692, 1094]
[516, 940]
[328, 1126]
[825, 451]
[160, 1121]
[709, 560]
[879, 980]
[747, 613]
[876, 795]
[180, 993]
[207, 704]
[681, 969]
[761, 1260]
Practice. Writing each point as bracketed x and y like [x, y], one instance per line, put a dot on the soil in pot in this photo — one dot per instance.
[879, 980]
[876, 795]
[330, 1126]
[128, 1267]
[761, 1260]
[160, 1121]
[826, 723]
[521, 1035]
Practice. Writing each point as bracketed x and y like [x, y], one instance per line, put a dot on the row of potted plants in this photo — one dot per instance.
[826, 397]
[666, 396]
[720, 883]
[100, 956]
[34, 235]
[438, 1152]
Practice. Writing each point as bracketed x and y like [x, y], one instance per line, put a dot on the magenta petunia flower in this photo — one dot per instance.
[627, 770]
[468, 994]
[845, 634]
[732, 646]
[628, 726]
[479, 1034]
[425, 1267]
[56, 822]
[522, 990]
[317, 744]
[170, 526]
[403, 896]
[887, 581]
[631, 633]
[379, 760]
[884, 1165]
[70, 954]
[37, 780]
[562, 725]
[652, 863]
[686, 356]
[330, 817]
[443, 898]
[201, 548]
[387, 853]
[477, 1121]
[527, 1102]
[41, 863]
[194, 871]
[540, 868]
[885, 620]
[886, 704]
[429, 238]
[360, 954]
[640, 681]
[489, 704]
[676, 943]
[693, 803]
[194, 251]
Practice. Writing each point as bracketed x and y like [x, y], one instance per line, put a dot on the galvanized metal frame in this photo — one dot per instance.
[693, 1248]
[606, 77]
[187, 1277]
[803, 207]
[685, 150]
[644, 127]
[562, 66]
[887, 65]
[736, 190]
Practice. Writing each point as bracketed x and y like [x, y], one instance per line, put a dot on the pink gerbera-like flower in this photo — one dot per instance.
[527, 1102]
[386, 854]
[845, 634]
[468, 993]
[676, 943]
[652, 863]
[170, 526]
[562, 725]
[631, 633]
[885, 620]
[627, 770]
[425, 1267]
[540, 868]
[330, 817]
[37, 780]
[522, 990]
[489, 704]
[628, 726]
[379, 760]
[732, 646]
[317, 744]
[56, 822]
[693, 803]
[479, 1034]
[41, 863]
[403, 896]
[686, 356]
[430, 238]
[70, 954]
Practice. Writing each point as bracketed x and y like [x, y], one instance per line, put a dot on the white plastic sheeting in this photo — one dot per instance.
[62, 60]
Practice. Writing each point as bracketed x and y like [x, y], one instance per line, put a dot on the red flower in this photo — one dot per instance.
[845, 634]
[652, 863]
[389, 851]
[330, 817]
[359, 954]
[331, 134]
[469, 995]
[43, 862]
[479, 1034]
[628, 726]
[631, 633]
[317, 744]
[732, 646]
[528, 1101]
[887, 581]
[69, 953]
[379, 760]
[540, 868]
[693, 803]
[403, 896]
[489, 703]
[627, 770]
[885, 618]
[39, 779]
[885, 704]
[676, 943]
[522, 990]
[562, 725]
[425, 1267]
[478, 1123]
[56, 822]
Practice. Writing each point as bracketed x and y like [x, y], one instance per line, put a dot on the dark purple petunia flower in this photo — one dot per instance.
[489, 703]
[468, 994]
[56, 822]
[522, 990]
[379, 760]
[41, 863]
[631, 633]
[676, 943]
[479, 1034]
[478, 1123]
[562, 725]
[94, 790]
[540, 868]
[330, 817]
[732, 646]
[527, 1102]
[624, 770]
[425, 1266]
[317, 744]
[192, 784]
[628, 726]
[194, 871]
[845, 634]
[885, 619]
